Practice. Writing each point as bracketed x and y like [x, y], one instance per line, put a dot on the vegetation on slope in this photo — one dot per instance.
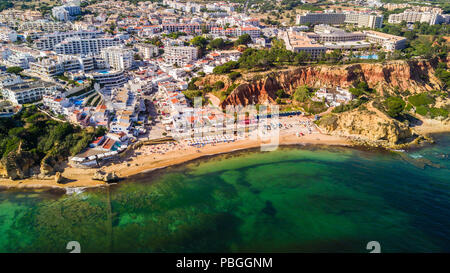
[42, 136]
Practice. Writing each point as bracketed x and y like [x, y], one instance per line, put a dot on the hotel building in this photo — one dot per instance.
[297, 42]
[180, 55]
[27, 92]
[359, 19]
[147, 50]
[109, 78]
[77, 45]
[118, 57]
[387, 41]
[45, 25]
[413, 16]
[49, 41]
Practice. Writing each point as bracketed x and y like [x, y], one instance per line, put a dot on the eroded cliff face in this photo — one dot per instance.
[21, 164]
[414, 76]
[18, 164]
[262, 91]
[369, 127]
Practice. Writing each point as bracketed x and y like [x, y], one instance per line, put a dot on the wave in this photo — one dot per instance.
[75, 190]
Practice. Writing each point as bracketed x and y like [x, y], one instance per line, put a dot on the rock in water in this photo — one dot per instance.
[105, 176]
[111, 177]
[98, 175]
[58, 177]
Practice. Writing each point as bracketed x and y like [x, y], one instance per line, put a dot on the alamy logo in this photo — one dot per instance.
[374, 246]
[74, 246]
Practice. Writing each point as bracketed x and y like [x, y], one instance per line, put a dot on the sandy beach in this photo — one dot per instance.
[432, 126]
[178, 153]
[150, 157]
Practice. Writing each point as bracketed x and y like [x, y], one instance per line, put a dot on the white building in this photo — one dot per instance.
[60, 14]
[118, 57]
[7, 79]
[359, 19]
[56, 104]
[109, 78]
[48, 42]
[387, 41]
[180, 55]
[78, 45]
[333, 97]
[44, 25]
[27, 92]
[298, 42]
[147, 50]
[7, 34]
[66, 12]
[20, 59]
[414, 16]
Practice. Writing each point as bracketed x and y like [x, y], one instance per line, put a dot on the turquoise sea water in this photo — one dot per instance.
[296, 199]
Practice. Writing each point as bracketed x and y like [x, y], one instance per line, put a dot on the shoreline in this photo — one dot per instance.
[139, 163]
[143, 161]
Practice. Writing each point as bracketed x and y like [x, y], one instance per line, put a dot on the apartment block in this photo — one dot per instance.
[147, 50]
[118, 57]
[320, 18]
[387, 41]
[298, 42]
[180, 55]
[109, 78]
[78, 45]
[44, 25]
[7, 79]
[66, 12]
[48, 42]
[359, 19]
[326, 33]
[26, 92]
[413, 16]
[7, 34]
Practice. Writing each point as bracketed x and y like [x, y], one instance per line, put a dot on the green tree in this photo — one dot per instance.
[395, 106]
[191, 84]
[219, 85]
[217, 43]
[234, 75]
[225, 68]
[281, 94]
[244, 39]
[14, 69]
[200, 42]
[302, 93]
[422, 99]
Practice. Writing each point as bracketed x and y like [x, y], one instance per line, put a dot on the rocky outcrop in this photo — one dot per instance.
[212, 79]
[369, 127]
[18, 164]
[414, 76]
[58, 177]
[105, 176]
[261, 91]
[49, 164]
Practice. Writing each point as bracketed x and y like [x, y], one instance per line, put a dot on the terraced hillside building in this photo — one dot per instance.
[27, 92]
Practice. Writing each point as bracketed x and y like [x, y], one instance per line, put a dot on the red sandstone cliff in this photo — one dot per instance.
[415, 76]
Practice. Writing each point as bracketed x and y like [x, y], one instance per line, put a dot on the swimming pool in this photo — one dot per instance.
[369, 57]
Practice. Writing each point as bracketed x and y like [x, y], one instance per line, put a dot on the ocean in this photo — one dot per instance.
[295, 199]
